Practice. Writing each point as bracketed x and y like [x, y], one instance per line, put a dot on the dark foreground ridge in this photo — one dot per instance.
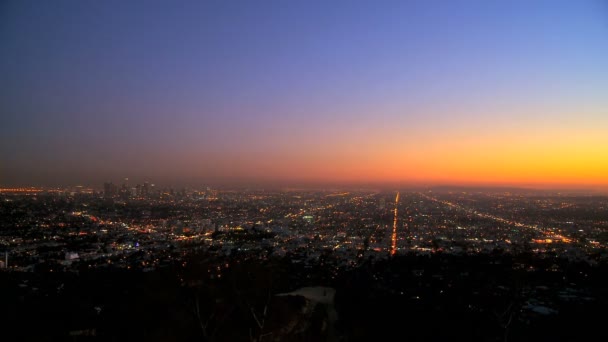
[485, 297]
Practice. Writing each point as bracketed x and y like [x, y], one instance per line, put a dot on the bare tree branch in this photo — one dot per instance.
[255, 317]
[219, 323]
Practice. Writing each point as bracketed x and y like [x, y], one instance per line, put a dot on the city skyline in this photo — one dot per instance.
[410, 93]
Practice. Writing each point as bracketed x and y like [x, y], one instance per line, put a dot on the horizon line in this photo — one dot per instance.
[310, 185]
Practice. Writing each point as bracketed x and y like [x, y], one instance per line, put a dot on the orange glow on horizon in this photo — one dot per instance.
[565, 155]
[557, 159]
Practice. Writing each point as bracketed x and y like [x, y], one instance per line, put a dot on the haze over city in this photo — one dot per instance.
[499, 93]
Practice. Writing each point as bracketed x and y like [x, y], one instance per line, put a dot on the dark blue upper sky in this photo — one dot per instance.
[198, 90]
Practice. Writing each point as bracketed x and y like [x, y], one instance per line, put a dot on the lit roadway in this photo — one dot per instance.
[394, 236]
[547, 231]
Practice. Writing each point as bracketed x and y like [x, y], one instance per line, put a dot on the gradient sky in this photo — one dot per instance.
[217, 92]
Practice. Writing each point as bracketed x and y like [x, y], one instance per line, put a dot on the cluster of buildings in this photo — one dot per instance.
[143, 227]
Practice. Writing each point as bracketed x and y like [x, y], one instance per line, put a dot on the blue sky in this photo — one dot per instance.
[198, 90]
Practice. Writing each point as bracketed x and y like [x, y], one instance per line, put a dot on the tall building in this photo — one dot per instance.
[382, 203]
[109, 189]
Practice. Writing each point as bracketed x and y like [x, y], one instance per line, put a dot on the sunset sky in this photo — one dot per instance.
[221, 92]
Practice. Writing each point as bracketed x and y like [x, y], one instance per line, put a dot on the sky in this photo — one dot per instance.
[224, 92]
